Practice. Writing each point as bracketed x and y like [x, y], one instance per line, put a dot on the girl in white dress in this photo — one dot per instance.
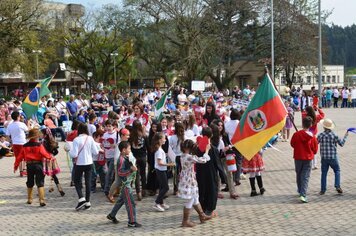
[188, 186]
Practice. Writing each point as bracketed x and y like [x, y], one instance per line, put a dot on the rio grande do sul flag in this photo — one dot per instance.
[264, 117]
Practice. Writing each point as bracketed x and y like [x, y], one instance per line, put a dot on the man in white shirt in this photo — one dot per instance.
[17, 132]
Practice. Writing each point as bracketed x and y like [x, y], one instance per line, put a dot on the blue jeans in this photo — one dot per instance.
[302, 170]
[325, 164]
[109, 175]
[126, 198]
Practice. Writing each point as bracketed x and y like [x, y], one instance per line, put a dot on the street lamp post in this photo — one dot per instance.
[320, 55]
[272, 41]
[115, 54]
[36, 52]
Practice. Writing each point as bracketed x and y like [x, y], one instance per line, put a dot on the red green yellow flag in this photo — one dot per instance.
[264, 117]
[31, 102]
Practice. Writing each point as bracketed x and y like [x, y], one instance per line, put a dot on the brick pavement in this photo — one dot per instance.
[278, 212]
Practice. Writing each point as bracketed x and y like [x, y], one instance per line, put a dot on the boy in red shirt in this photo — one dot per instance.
[33, 152]
[305, 146]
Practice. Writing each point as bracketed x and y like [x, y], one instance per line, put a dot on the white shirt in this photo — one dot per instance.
[160, 155]
[182, 98]
[353, 94]
[108, 140]
[230, 127]
[17, 131]
[91, 129]
[175, 145]
[84, 147]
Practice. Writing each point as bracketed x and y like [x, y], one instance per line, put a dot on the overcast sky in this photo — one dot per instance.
[343, 10]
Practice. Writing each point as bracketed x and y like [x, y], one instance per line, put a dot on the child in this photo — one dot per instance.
[328, 141]
[109, 140]
[254, 166]
[127, 172]
[51, 167]
[207, 176]
[188, 186]
[289, 122]
[33, 152]
[99, 163]
[91, 125]
[5, 147]
[161, 170]
[305, 146]
[115, 187]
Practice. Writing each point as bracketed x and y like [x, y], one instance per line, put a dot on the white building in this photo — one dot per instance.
[307, 76]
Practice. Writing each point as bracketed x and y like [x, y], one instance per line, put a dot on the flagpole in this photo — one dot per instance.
[163, 95]
[289, 115]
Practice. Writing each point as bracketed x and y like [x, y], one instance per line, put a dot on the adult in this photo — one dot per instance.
[72, 108]
[246, 93]
[48, 122]
[62, 111]
[328, 96]
[139, 114]
[182, 97]
[17, 132]
[336, 95]
[345, 95]
[353, 96]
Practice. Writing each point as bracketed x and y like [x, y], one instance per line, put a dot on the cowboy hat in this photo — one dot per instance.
[327, 123]
[34, 133]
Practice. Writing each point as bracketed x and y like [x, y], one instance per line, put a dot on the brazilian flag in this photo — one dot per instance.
[31, 102]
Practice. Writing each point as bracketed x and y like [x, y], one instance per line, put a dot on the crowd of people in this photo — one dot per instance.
[117, 141]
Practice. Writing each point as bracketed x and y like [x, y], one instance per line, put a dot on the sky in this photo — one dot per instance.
[342, 10]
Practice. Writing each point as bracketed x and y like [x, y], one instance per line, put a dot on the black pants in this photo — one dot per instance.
[141, 173]
[162, 184]
[35, 172]
[78, 173]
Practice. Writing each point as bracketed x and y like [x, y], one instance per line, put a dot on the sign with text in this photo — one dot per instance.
[198, 85]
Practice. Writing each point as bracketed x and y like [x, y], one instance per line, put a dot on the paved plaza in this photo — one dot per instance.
[278, 212]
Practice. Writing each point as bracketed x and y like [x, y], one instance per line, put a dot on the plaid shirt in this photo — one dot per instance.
[328, 141]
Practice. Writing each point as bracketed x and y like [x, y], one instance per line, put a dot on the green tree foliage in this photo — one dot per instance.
[341, 45]
[21, 32]
[91, 46]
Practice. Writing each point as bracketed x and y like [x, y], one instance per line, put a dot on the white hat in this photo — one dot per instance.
[327, 123]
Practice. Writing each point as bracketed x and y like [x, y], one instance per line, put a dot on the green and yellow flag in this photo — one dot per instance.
[264, 117]
[30, 104]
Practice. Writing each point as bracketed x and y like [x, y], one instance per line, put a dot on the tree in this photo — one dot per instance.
[93, 41]
[295, 36]
[22, 30]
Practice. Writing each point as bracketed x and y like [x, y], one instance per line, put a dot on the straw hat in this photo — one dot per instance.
[327, 123]
[34, 133]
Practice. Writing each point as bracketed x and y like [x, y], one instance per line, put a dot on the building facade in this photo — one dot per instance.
[307, 77]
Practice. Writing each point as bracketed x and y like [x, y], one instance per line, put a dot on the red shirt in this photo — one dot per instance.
[305, 145]
[319, 117]
[72, 135]
[32, 151]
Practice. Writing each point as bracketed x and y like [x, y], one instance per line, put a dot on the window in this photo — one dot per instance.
[323, 79]
[328, 79]
[283, 80]
[334, 79]
[308, 79]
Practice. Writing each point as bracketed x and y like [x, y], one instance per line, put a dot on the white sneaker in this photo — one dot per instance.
[158, 207]
[165, 206]
[242, 177]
